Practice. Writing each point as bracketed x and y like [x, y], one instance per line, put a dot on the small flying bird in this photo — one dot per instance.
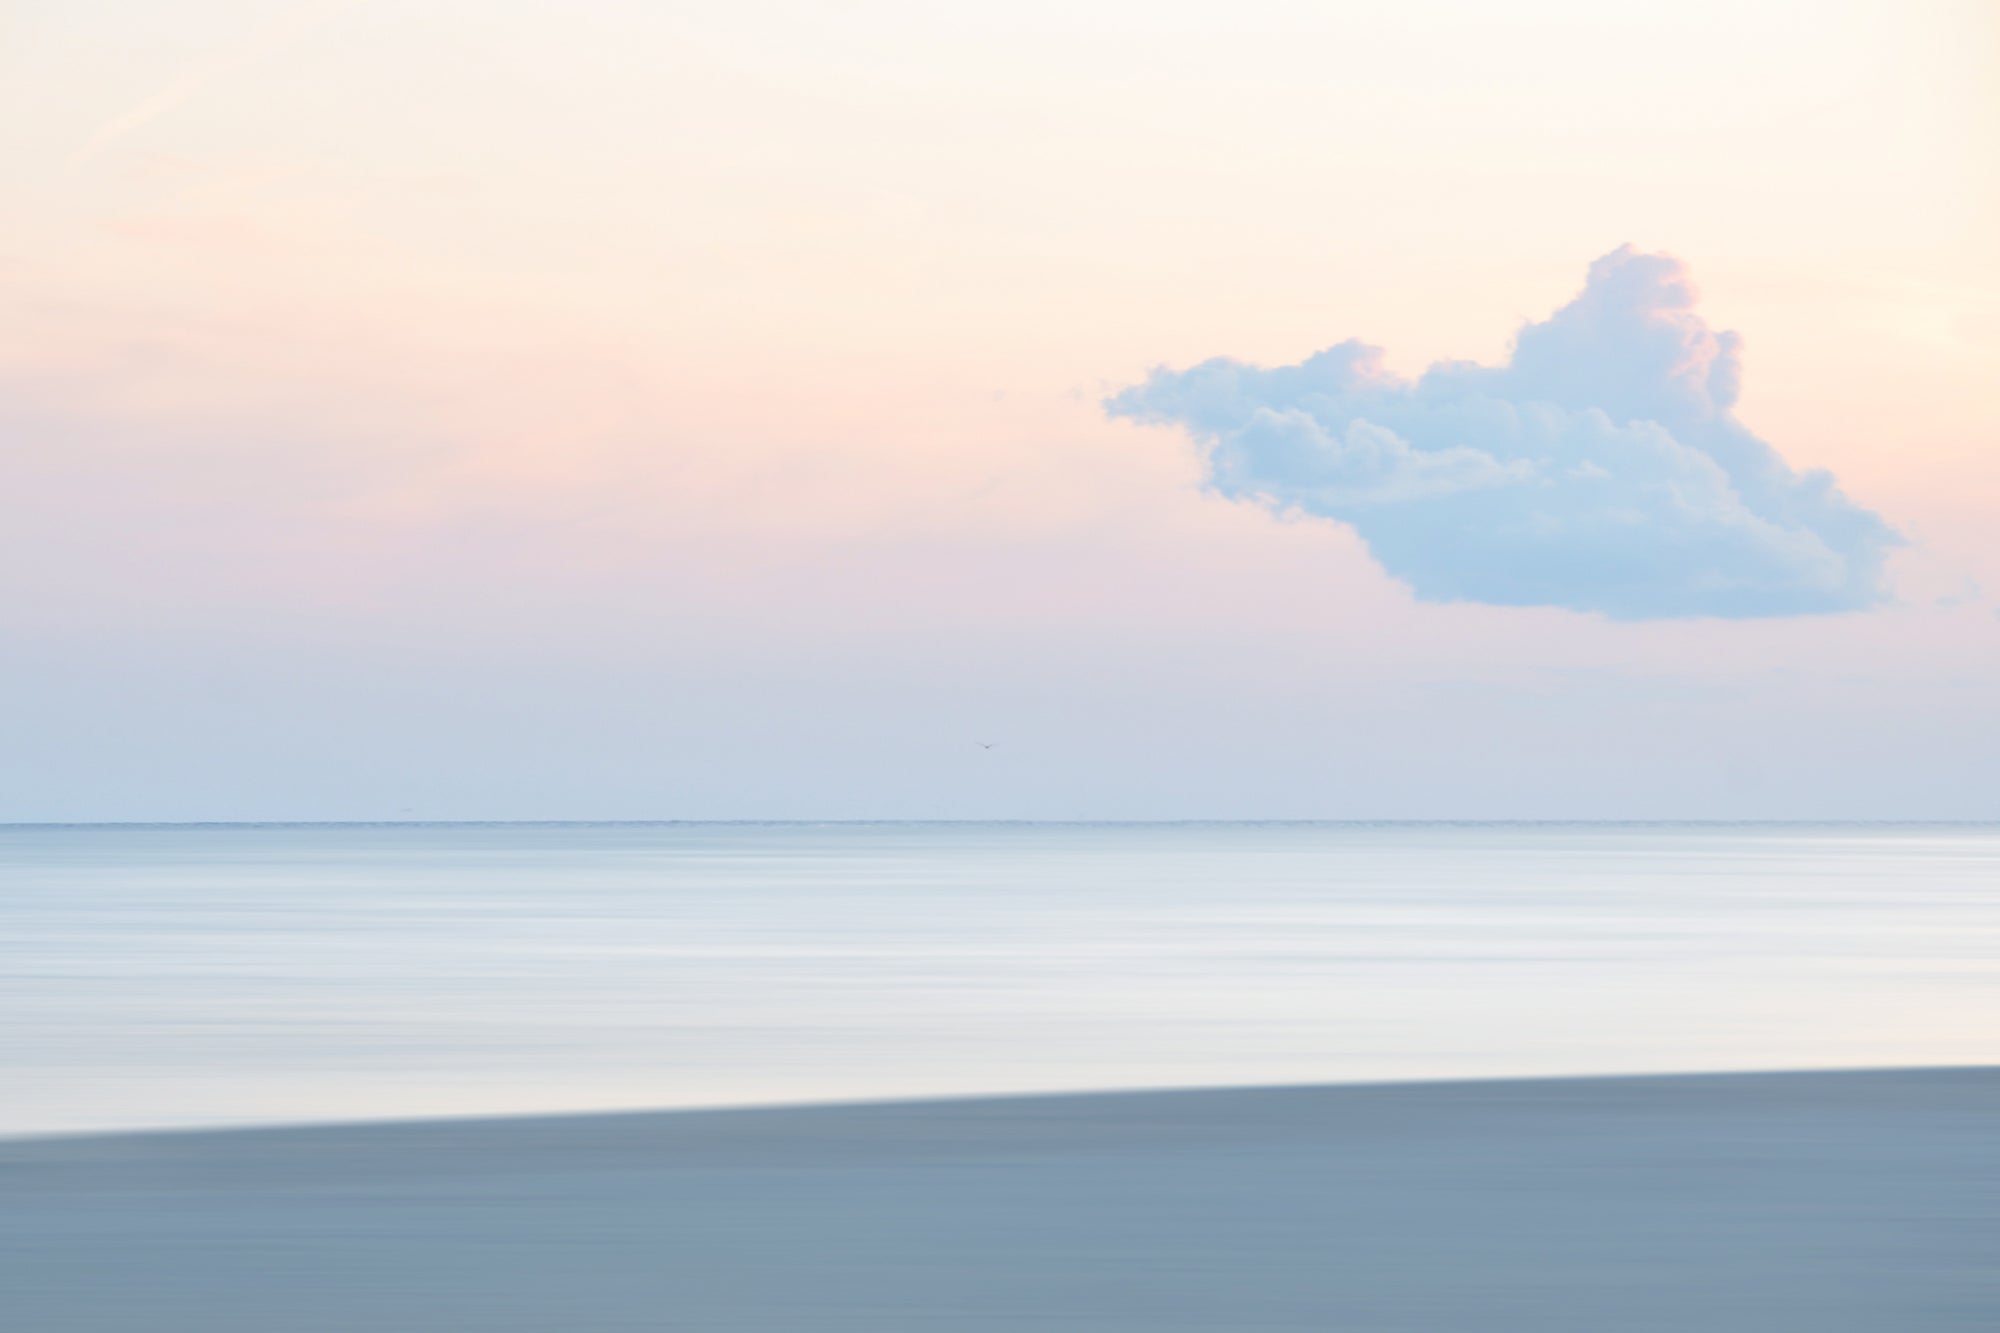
[984, 745]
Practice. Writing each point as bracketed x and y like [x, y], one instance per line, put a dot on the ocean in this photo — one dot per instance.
[197, 975]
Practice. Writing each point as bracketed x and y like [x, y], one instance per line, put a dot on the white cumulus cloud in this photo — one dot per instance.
[1600, 469]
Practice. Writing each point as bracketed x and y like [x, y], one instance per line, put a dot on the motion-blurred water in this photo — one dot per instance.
[234, 974]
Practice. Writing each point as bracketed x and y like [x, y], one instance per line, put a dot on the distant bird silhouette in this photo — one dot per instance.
[984, 745]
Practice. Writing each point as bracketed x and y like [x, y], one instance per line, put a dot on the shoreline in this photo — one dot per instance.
[1507, 1086]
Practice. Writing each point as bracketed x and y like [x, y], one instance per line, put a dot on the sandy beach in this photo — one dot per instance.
[1809, 1201]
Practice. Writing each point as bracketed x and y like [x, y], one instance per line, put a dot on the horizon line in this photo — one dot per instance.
[1081, 822]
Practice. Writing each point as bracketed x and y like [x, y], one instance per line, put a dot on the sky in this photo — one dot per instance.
[426, 409]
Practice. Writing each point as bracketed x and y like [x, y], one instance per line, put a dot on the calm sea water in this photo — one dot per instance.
[235, 974]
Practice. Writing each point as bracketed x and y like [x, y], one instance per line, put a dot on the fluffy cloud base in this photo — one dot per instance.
[1600, 469]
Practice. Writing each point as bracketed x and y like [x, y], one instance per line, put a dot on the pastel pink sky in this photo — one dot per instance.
[517, 409]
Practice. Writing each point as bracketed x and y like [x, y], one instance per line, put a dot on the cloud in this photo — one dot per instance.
[1600, 469]
[292, 26]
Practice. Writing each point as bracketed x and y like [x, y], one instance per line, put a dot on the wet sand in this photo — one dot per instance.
[1818, 1201]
